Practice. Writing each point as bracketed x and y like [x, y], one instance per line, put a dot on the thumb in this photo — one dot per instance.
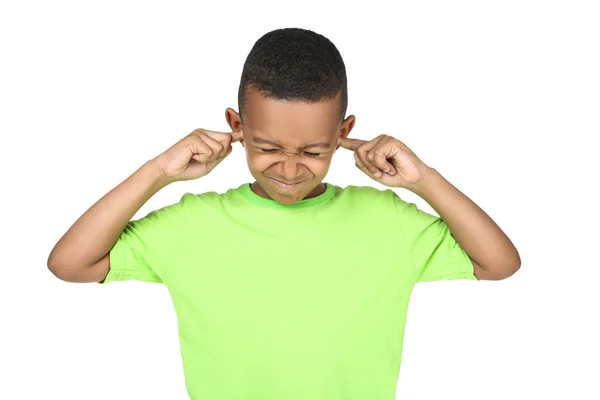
[350, 144]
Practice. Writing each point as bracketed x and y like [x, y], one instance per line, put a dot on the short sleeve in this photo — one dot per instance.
[435, 253]
[146, 245]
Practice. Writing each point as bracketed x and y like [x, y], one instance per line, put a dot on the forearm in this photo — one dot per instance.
[93, 235]
[480, 237]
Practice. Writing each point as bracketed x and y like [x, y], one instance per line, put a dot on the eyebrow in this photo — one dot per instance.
[308, 146]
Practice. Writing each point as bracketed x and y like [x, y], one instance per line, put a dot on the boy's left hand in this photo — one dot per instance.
[387, 160]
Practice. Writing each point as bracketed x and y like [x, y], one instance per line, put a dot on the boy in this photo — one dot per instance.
[286, 314]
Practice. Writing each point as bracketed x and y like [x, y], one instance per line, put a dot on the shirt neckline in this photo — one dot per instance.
[270, 203]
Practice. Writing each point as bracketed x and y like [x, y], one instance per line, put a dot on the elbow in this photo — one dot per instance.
[509, 267]
[62, 271]
[503, 265]
[54, 267]
[497, 272]
[76, 273]
[509, 271]
[67, 274]
[514, 266]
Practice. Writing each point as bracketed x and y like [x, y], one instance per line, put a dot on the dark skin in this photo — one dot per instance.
[291, 142]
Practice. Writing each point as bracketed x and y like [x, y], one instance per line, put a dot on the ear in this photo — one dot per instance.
[234, 121]
[346, 127]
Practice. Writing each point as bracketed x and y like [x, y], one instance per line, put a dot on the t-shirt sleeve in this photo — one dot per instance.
[145, 247]
[435, 253]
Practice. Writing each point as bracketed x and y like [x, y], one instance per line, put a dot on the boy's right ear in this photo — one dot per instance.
[234, 121]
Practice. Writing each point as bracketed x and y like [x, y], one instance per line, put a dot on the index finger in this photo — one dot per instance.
[221, 136]
[237, 136]
[350, 144]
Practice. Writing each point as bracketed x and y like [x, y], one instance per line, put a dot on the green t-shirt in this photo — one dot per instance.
[300, 301]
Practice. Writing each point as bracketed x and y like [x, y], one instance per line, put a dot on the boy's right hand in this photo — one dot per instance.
[196, 155]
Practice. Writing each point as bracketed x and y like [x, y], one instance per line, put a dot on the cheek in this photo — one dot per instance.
[259, 162]
[318, 166]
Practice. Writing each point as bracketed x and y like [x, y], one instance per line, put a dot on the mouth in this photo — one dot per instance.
[285, 185]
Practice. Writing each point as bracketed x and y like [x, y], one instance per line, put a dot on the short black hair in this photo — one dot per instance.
[295, 64]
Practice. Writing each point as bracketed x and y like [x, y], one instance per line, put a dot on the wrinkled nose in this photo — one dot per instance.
[290, 168]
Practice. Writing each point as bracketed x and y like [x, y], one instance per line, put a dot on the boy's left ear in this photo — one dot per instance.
[346, 127]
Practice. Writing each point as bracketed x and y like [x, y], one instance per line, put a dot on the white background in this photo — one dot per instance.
[502, 97]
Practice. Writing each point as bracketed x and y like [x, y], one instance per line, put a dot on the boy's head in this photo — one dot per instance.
[292, 100]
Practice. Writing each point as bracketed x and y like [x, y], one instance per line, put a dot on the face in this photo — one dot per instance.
[289, 145]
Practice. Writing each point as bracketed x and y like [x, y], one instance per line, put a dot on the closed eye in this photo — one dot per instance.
[306, 152]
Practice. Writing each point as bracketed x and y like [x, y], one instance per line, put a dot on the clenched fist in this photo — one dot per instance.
[196, 155]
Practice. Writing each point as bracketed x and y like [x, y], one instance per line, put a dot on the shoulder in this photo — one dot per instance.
[212, 199]
[367, 197]
[364, 193]
[362, 196]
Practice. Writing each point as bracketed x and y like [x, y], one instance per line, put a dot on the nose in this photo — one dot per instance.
[290, 167]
